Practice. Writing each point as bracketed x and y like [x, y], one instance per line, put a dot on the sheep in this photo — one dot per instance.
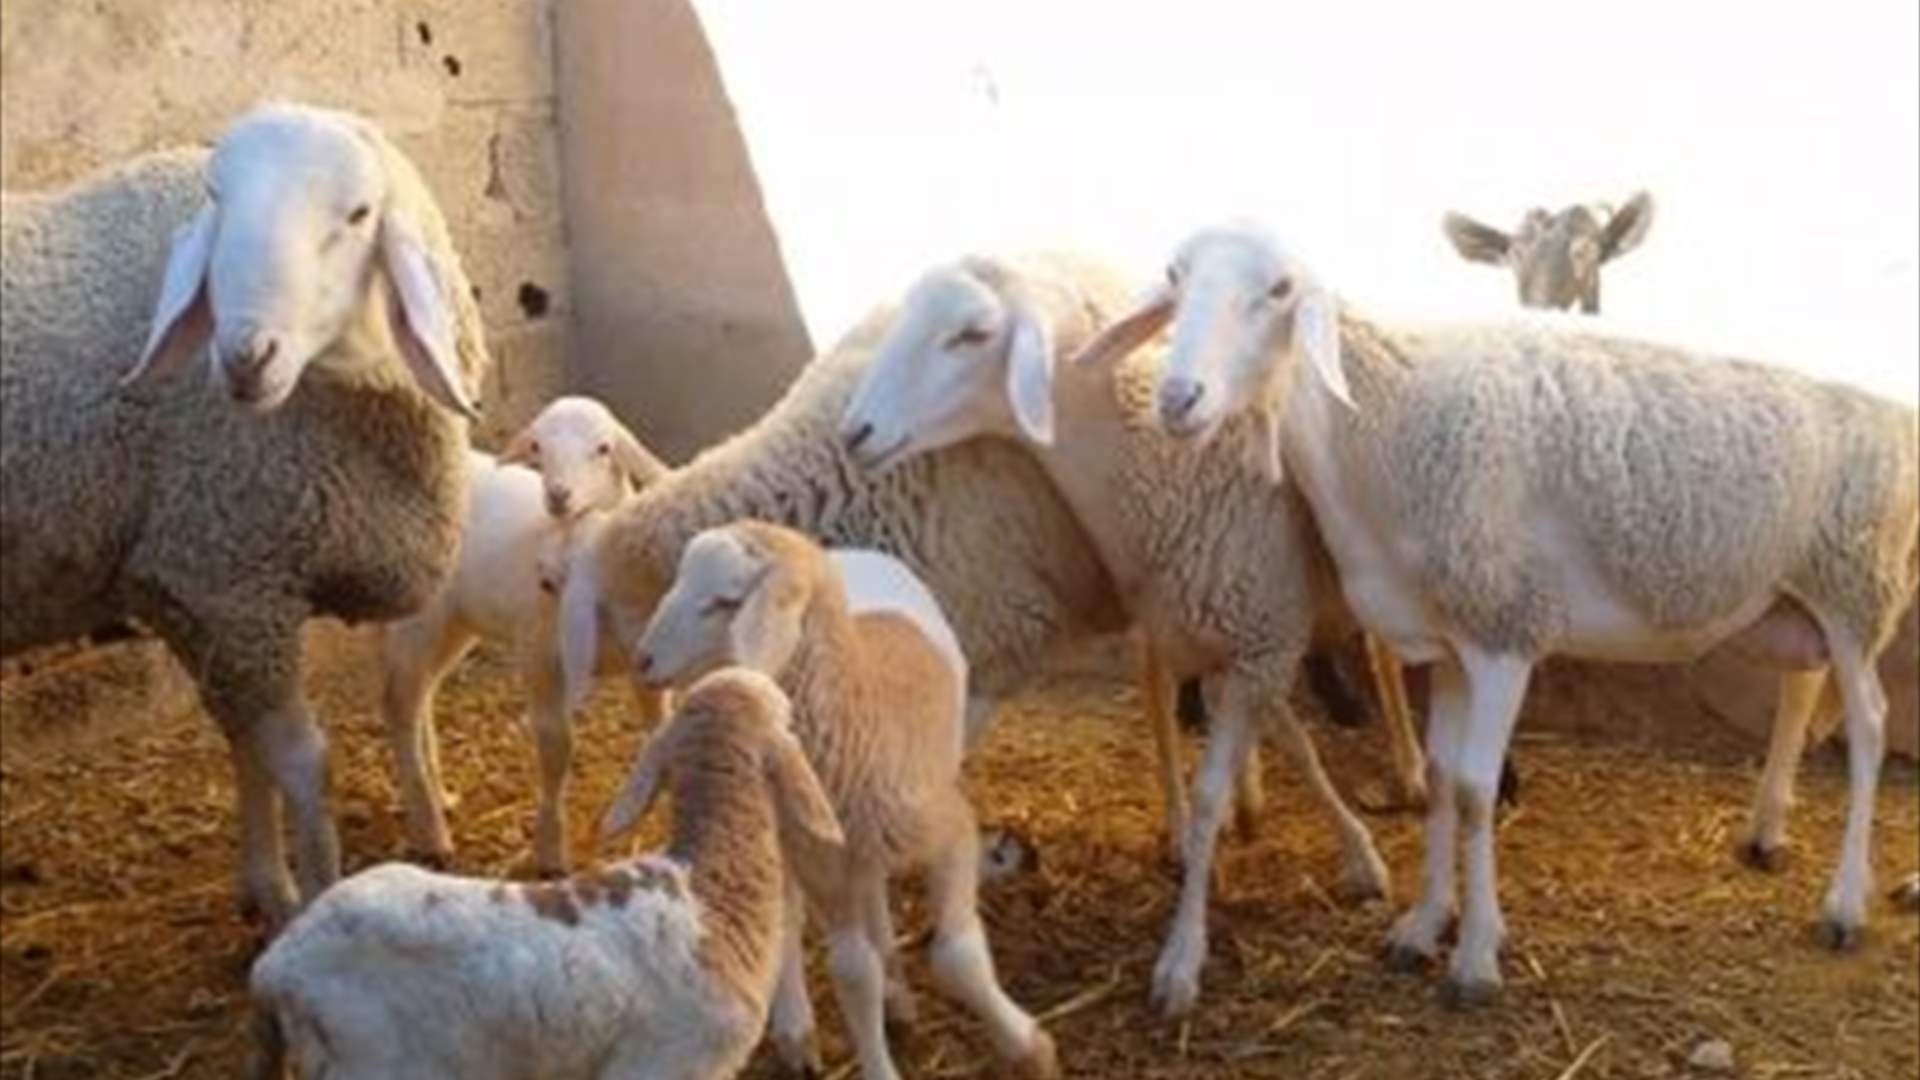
[312, 266]
[574, 458]
[878, 685]
[655, 966]
[1492, 495]
[1556, 258]
[1222, 570]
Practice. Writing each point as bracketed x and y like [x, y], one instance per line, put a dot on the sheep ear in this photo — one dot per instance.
[1475, 242]
[519, 449]
[1030, 377]
[797, 793]
[1627, 227]
[182, 317]
[421, 316]
[642, 786]
[763, 632]
[579, 627]
[1130, 331]
[1316, 333]
[641, 467]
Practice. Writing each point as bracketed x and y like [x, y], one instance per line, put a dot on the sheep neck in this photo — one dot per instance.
[724, 831]
[1087, 464]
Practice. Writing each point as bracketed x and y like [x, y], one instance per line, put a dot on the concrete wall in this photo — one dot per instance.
[686, 322]
[467, 89]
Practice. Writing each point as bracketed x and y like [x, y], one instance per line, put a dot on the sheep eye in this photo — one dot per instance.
[720, 605]
[1173, 276]
[972, 335]
[1281, 289]
[358, 214]
[533, 446]
[603, 449]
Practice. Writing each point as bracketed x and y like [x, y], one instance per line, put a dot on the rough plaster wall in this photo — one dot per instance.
[686, 322]
[466, 88]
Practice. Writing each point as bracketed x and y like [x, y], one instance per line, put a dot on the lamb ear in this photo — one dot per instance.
[763, 632]
[641, 467]
[1316, 333]
[642, 785]
[1030, 377]
[182, 317]
[797, 793]
[1131, 330]
[422, 318]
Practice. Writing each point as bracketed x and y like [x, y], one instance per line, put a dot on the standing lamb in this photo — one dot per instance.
[1219, 567]
[878, 686]
[1495, 495]
[312, 267]
[573, 460]
[658, 966]
[1556, 258]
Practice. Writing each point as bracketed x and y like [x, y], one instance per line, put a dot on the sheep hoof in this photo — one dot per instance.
[1839, 936]
[1041, 1061]
[1406, 959]
[1907, 893]
[1767, 858]
[1468, 993]
[1246, 823]
[799, 1056]
[271, 912]
[437, 861]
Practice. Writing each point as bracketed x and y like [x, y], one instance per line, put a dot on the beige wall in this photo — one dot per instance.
[466, 88]
[687, 324]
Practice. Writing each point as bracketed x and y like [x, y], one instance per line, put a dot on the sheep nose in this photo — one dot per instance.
[643, 663]
[857, 436]
[247, 361]
[558, 499]
[1179, 396]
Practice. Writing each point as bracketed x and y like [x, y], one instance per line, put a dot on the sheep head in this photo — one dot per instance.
[313, 220]
[587, 459]
[1556, 258]
[739, 597]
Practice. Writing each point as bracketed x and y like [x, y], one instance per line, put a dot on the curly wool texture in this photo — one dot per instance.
[1696, 482]
[980, 524]
[222, 530]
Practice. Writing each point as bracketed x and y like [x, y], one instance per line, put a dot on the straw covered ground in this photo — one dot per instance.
[1636, 935]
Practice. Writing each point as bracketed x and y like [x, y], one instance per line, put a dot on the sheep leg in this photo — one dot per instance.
[1249, 795]
[296, 754]
[1844, 911]
[961, 961]
[859, 975]
[553, 746]
[265, 889]
[1767, 827]
[796, 1043]
[1403, 739]
[1496, 684]
[979, 717]
[1166, 741]
[415, 657]
[902, 1010]
[1176, 975]
[1415, 939]
[1363, 874]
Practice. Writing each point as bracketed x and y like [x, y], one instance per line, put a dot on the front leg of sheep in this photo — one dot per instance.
[553, 747]
[1496, 685]
[859, 972]
[1844, 911]
[1415, 940]
[790, 1024]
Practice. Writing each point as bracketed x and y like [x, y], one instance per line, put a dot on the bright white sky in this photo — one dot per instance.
[1781, 143]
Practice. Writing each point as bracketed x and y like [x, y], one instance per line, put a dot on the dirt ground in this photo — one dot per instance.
[1635, 933]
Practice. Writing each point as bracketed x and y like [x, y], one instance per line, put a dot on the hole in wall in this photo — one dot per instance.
[533, 300]
[425, 32]
[452, 64]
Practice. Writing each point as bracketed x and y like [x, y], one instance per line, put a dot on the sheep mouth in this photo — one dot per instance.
[879, 460]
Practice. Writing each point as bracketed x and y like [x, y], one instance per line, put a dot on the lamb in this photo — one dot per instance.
[878, 685]
[313, 268]
[1556, 258]
[1222, 570]
[1492, 495]
[656, 966]
[572, 460]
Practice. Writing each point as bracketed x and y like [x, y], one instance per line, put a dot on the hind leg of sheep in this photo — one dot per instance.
[790, 1024]
[902, 1010]
[1415, 940]
[1403, 739]
[1844, 911]
[1496, 684]
[859, 974]
[961, 961]
[1166, 742]
[553, 746]
[1767, 827]
[1176, 975]
[1363, 874]
[415, 657]
[1249, 795]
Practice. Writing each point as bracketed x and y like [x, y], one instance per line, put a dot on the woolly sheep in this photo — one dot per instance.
[312, 266]
[1556, 258]
[878, 686]
[657, 966]
[573, 459]
[1493, 495]
[1219, 567]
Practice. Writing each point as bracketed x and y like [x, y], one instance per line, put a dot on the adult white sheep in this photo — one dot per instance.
[658, 966]
[572, 460]
[878, 686]
[1494, 495]
[313, 260]
[1222, 569]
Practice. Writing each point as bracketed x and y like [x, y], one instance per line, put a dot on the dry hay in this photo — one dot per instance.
[1636, 934]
